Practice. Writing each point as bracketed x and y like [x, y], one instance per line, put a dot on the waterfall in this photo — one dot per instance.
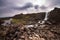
[46, 16]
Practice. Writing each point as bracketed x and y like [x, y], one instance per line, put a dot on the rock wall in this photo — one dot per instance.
[54, 15]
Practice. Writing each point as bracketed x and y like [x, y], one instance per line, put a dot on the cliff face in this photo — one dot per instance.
[54, 15]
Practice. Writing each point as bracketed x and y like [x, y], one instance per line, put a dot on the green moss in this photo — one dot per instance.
[16, 21]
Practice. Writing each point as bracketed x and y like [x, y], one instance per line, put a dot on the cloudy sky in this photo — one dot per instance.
[13, 7]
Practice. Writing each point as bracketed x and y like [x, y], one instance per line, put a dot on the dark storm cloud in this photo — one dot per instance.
[24, 7]
[43, 7]
[36, 6]
[2, 3]
[5, 7]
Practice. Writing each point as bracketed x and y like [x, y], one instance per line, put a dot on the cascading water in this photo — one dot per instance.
[46, 18]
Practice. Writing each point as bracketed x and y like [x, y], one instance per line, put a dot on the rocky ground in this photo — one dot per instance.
[49, 32]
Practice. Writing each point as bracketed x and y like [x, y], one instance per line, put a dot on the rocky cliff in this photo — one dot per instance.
[54, 15]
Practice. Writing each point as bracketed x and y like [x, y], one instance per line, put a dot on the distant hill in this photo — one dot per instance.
[32, 16]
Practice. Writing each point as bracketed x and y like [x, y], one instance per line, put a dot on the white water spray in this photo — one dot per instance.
[46, 18]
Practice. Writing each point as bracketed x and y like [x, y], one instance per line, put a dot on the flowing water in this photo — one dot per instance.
[46, 18]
